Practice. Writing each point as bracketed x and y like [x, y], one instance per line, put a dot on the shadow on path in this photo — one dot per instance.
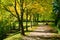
[40, 38]
[43, 33]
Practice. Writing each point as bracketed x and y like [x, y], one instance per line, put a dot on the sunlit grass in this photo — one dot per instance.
[15, 37]
[31, 29]
[18, 36]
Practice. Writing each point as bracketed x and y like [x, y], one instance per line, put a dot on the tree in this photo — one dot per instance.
[12, 7]
[22, 11]
[57, 11]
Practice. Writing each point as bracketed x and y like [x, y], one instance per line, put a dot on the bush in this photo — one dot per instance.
[2, 33]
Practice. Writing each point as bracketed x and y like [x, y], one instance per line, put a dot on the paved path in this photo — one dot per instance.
[43, 33]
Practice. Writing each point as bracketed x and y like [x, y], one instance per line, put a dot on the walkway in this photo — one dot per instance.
[43, 33]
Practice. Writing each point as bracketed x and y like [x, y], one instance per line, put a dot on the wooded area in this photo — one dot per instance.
[20, 15]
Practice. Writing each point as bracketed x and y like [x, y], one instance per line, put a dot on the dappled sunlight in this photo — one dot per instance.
[29, 19]
[38, 34]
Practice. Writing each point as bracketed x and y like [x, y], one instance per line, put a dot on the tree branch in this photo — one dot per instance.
[10, 11]
[16, 10]
[18, 2]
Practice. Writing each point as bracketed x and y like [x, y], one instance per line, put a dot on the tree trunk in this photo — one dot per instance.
[19, 21]
[22, 28]
[34, 19]
[37, 18]
[22, 11]
[26, 21]
[18, 17]
[13, 26]
[31, 20]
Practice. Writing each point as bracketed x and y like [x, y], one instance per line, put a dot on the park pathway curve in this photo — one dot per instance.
[44, 32]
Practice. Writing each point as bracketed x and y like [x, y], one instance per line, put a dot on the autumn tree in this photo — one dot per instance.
[12, 7]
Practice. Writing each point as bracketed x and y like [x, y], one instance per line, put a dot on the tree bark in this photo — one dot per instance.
[22, 11]
[27, 21]
[19, 22]
[31, 20]
[37, 18]
[13, 26]
[18, 17]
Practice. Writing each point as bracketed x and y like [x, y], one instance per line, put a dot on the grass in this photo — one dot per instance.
[18, 36]
[15, 37]
[54, 26]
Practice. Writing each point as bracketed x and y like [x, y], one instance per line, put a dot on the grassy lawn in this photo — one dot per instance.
[18, 36]
[15, 37]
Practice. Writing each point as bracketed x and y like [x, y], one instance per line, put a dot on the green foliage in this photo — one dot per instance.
[38, 9]
[5, 20]
[57, 11]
